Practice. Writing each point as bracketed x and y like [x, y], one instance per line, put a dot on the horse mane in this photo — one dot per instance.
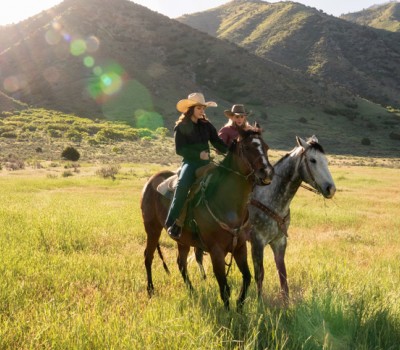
[313, 145]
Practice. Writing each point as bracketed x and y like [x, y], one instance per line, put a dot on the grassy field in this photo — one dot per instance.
[72, 272]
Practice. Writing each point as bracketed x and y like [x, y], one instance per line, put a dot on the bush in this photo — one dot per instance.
[74, 135]
[162, 132]
[54, 133]
[366, 141]
[108, 172]
[14, 163]
[394, 136]
[67, 173]
[70, 153]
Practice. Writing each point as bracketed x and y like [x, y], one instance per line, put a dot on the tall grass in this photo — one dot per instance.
[72, 273]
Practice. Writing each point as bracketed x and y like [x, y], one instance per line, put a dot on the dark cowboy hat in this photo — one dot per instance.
[236, 110]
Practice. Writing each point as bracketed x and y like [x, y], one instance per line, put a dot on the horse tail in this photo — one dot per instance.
[162, 259]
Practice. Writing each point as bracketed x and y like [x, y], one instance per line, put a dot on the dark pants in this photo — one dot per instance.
[187, 177]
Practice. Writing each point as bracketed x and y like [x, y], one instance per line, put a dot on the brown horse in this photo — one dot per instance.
[217, 214]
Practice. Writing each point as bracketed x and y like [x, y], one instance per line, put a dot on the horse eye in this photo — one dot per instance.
[313, 160]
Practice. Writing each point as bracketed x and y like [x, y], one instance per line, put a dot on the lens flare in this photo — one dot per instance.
[92, 44]
[77, 47]
[88, 61]
[51, 74]
[56, 25]
[107, 81]
[148, 119]
[132, 104]
[14, 83]
[66, 36]
[52, 37]
[97, 70]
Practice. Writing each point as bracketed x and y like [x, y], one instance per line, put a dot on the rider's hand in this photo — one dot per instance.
[204, 155]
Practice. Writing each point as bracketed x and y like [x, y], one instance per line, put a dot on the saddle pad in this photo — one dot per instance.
[168, 185]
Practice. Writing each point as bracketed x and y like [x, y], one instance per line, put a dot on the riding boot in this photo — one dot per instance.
[180, 221]
[174, 231]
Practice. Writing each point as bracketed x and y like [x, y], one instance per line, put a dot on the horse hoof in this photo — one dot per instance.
[150, 291]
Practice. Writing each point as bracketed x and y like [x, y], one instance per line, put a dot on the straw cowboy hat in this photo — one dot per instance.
[194, 99]
[236, 110]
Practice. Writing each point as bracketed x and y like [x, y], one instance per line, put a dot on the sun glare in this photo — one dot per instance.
[18, 10]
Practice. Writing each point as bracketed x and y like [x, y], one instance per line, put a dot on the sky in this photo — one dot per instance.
[17, 10]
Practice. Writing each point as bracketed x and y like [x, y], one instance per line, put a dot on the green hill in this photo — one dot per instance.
[120, 62]
[362, 59]
[386, 16]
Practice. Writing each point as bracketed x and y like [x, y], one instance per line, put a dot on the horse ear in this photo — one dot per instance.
[312, 139]
[256, 125]
[242, 133]
[301, 142]
[233, 145]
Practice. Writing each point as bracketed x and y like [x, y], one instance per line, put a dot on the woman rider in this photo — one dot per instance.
[237, 120]
[193, 132]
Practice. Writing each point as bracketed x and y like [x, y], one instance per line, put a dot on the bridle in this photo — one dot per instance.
[281, 221]
[235, 232]
[250, 166]
[316, 188]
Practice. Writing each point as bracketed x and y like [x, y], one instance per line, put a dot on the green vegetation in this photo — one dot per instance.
[42, 135]
[385, 16]
[33, 124]
[323, 47]
[70, 153]
[72, 274]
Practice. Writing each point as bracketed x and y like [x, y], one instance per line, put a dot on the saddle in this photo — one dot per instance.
[168, 186]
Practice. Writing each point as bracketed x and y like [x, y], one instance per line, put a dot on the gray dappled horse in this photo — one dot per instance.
[269, 206]
[216, 216]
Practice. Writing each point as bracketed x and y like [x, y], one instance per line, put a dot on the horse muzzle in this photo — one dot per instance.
[329, 191]
[264, 176]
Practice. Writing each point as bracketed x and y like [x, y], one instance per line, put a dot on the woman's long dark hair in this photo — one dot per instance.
[187, 115]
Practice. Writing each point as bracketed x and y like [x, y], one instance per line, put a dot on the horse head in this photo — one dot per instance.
[315, 169]
[253, 151]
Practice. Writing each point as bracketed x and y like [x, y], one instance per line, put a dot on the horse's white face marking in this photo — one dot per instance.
[261, 151]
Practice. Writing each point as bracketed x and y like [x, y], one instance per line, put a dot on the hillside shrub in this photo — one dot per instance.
[92, 141]
[109, 134]
[162, 132]
[394, 136]
[108, 171]
[6, 128]
[70, 153]
[12, 162]
[145, 133]
[67, 173]
[54, 133]
[366, 141]
[74, 135]
[352, 105]
[9, 135]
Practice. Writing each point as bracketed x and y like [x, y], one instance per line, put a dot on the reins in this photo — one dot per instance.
[235, 232]
[281, 221]
[311, 189]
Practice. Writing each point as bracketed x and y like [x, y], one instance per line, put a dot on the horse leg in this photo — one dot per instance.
[240, 256]
[279, 249]
[199, 253]
[257, 252]
[153, 236]
[183, 251]
[218, 262]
